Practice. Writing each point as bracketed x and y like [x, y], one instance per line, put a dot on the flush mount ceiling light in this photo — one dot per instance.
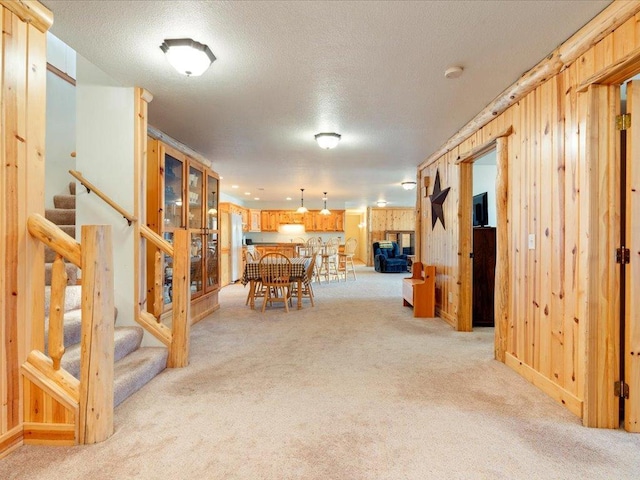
[408, 185]
[187, 56]
[381, 203]
[302, 208]
[325, 211]
[327, 140]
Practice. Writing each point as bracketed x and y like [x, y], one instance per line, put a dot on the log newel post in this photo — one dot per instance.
[180, 328]
[502, 279]
[97, 357]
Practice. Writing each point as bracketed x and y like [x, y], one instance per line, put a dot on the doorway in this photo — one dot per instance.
[484, 239]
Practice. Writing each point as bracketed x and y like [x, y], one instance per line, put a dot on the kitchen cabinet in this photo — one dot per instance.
[312, 220]
[254, 221]
[269, 220]
[183, 194]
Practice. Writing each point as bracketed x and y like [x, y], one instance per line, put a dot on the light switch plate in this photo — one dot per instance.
[532, 241]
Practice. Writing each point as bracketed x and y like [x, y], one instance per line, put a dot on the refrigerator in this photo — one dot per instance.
[235, 247]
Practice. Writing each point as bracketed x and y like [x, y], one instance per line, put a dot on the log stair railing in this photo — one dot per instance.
[176, 338]
[88, 401]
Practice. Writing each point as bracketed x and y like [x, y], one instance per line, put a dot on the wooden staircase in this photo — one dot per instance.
[64, 215]
[134, 366]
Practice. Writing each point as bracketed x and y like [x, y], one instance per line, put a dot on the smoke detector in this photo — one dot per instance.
[453, 72]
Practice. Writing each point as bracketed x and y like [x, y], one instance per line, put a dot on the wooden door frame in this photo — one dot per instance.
[500, 143]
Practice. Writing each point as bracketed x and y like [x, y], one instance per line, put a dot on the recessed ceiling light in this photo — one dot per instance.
[256, 198]
[247, 193]
[288, 198]
[234, 186]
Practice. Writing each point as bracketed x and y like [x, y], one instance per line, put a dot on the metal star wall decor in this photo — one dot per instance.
[437, 199]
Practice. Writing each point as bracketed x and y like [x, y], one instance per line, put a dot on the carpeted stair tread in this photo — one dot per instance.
[126, 340]
[72, 329]
[72, 273]
[136, 370]
[61, 216]
[64, 201]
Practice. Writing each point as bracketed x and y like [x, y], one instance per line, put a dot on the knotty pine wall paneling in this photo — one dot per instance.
[561, 326]
[380, 220]
[22, 140]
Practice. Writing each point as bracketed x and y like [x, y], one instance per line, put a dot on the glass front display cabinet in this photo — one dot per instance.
[182, 194]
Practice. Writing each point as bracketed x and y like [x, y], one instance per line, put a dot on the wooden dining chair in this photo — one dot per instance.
[329, 266]
[258, 289]
[275, 275]
[345, 259]
[306, 288]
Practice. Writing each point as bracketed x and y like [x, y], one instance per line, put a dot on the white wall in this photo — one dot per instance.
[484, 180]
[105, 152]
[61, 120]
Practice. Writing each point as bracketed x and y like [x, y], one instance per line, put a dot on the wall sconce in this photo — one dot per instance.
[187, 56]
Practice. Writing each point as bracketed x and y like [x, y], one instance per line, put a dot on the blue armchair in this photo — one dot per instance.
[388, 259]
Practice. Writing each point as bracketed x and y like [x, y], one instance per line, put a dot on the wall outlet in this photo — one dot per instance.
[450, 297]
[532, 241]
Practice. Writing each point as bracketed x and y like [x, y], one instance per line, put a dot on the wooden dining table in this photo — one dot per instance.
[298, 274]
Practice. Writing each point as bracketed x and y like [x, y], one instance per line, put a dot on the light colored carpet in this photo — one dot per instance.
[354, 388]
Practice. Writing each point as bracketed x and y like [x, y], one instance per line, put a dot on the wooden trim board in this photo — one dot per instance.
[573, 403]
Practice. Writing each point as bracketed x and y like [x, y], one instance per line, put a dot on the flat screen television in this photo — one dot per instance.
[480, 210]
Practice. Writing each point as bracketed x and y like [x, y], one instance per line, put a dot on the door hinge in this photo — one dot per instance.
[623, 255]
[621, 389]
[623, 122]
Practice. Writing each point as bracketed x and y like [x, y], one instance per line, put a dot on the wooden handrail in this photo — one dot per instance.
[53, 237]
[92, 188]
[156, 239]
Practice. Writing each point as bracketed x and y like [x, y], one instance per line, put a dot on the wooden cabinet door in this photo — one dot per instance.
[211, 250]
[268, 221]
[255, 220]
[339, 221]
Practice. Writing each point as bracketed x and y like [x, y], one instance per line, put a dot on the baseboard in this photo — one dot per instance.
[10, 441]
[49, 433]
[559, 394]
[450, 319]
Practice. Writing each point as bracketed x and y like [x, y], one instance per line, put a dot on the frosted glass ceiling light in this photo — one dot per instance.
[327, 140]
[408, 185]
[325, 211]
[381, 203]
[302, 208]
[187, 56]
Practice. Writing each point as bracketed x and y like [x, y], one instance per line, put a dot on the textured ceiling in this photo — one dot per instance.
[372, 71]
